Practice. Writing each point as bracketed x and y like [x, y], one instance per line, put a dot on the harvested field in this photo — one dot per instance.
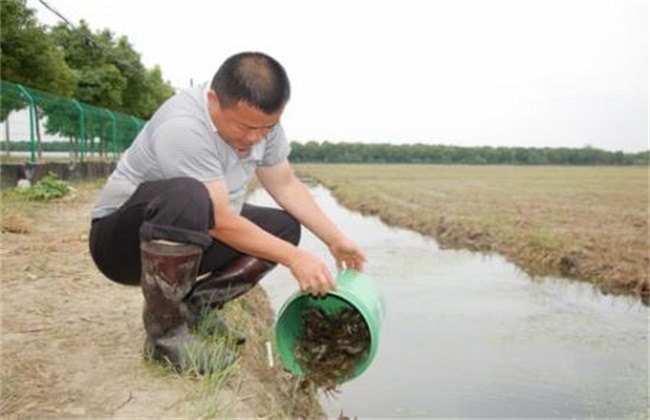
[584, 223]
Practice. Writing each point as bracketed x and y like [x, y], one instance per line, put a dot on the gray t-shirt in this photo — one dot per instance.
[181, 140]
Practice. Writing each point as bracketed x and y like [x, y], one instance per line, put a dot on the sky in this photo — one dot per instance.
[518, 73]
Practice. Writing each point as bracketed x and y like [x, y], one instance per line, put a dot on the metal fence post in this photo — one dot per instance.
[137, 122]
[82, 130]
[114, 132]
[32, 124]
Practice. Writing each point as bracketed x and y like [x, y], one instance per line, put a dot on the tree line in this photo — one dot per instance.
[98, 68]
[327, 152]
[342, 152]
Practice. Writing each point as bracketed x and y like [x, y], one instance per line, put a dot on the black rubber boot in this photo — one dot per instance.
[168, 274]
[221, 286]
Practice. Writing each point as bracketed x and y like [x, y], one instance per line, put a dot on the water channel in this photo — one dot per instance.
[471, 336]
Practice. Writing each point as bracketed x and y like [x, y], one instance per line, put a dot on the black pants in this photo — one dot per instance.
[178, 210]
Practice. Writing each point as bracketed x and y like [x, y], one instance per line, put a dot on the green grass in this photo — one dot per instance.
[249, 382]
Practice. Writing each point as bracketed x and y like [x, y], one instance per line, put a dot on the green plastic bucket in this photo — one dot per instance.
[355, 290]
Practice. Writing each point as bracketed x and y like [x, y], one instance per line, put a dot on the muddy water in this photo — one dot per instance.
[467, 335]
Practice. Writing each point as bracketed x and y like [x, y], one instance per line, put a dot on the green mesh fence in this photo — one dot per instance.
[51, 124]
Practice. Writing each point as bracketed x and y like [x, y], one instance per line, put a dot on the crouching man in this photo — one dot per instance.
[172, 217]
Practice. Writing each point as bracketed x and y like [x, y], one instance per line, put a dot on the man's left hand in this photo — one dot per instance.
[347, 254]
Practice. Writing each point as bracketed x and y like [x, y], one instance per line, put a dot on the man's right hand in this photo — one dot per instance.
[312, 273]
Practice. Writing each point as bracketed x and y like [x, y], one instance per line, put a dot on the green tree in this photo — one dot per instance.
[145, 90]
[155, 93]
[111, 72]
[28, 56]
[111, 78]
[101, 83]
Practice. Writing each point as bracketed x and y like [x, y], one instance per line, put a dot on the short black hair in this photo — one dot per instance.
[252, 77]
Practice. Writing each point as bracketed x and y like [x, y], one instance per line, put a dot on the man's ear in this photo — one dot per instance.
[213, 97]
[214, 106]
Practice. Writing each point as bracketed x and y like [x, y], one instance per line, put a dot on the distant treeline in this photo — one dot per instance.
[328, 152]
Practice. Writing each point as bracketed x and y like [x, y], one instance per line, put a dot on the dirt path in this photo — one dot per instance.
[71, 340]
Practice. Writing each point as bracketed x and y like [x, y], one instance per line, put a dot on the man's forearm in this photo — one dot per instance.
[299, 202]
[246, 237]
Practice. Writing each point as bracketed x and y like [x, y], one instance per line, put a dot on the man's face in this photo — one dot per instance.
[241, 126]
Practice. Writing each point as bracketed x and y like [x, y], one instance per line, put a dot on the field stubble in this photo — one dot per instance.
[585, 223]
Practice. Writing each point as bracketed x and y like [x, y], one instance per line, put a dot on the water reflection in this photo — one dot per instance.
[468, 335]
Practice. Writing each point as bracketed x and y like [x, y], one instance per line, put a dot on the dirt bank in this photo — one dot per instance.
[71, 340]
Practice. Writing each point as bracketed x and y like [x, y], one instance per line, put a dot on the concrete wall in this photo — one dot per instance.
[12, 172]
